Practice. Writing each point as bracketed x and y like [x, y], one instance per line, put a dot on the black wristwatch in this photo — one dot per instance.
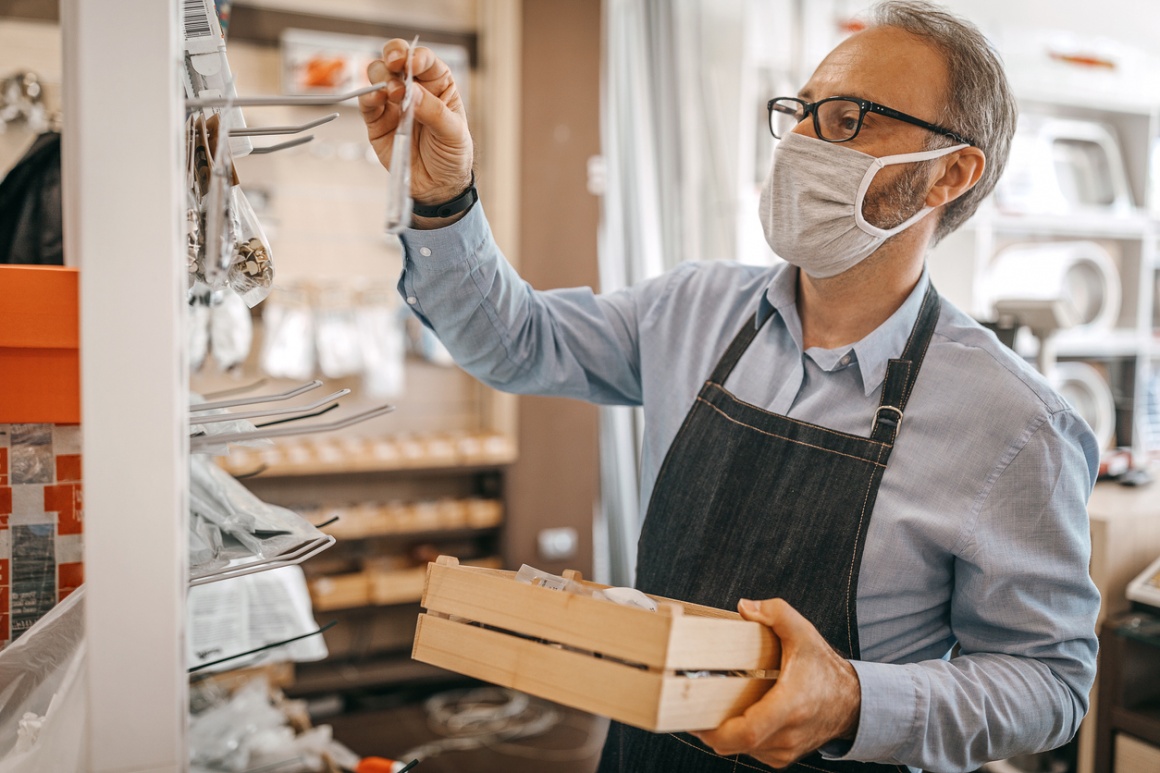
[460, 203]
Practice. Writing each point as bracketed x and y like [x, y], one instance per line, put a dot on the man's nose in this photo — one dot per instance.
[806, 127]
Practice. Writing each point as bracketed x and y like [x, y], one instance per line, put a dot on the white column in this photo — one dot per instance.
[122, 173]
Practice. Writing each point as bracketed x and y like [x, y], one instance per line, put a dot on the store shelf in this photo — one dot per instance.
[1079, 224]
[442, 517]
[383, 671]
[1090, 344]
[1141, 721]
[376, 587]
[458, 455]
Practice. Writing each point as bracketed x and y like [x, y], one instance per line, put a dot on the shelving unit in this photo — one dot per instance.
[1128, 737]
[1130, 350]
[123, 172]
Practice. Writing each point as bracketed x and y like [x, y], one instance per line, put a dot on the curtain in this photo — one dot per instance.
[672, 122]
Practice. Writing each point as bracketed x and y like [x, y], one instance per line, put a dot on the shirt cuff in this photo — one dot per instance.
[885, 721]
[443, 249]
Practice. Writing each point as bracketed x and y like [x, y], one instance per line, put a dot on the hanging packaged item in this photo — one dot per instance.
[336, 332]
[219, 322]
[399, 183]
[225, 243]
[251, 270]
[288, 343]
[231, 331]
[215, 177]
[255, 535]
[207, 70]
[383, 342]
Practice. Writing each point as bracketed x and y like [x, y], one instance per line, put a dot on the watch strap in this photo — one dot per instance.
[460, 203]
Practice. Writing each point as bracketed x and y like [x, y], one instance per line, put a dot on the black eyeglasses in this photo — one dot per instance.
[839, 119]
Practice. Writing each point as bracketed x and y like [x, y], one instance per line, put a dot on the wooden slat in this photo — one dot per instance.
[703, 704]
[644, 699]
[701, 638]
[598, 686]
[495, 599]
[702, 643]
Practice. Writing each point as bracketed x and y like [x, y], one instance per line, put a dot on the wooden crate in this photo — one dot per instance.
[620, 662]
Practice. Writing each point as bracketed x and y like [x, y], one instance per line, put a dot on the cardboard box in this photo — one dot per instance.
[642, 668]
[41, 513]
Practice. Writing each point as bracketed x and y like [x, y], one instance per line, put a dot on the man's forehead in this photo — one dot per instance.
[885, 65]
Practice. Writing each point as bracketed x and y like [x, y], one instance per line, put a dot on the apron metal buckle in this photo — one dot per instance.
[890, 421]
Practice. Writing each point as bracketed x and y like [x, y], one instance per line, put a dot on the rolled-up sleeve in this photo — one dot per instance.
[567, 343]
[1023, 610]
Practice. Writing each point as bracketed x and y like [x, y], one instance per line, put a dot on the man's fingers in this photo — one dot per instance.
[432, 113]
[733, 736]
[425, 65]
[395, 54]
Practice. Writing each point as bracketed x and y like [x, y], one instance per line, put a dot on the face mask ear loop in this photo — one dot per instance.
[884, 161]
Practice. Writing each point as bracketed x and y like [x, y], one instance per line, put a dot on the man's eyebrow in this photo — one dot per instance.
[804, 94]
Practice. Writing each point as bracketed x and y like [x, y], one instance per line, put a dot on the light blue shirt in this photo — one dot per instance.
[980, 531]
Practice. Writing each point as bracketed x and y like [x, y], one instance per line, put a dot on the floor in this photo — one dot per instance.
[570, 745]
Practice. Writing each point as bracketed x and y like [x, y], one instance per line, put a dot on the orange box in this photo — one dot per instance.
[39, 345]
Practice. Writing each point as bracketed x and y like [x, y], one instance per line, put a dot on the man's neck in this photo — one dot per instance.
[842, 310]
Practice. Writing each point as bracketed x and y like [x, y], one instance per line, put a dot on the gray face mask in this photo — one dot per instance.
[811, 204]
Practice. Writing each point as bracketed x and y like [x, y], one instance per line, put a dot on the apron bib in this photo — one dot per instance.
[752, 504]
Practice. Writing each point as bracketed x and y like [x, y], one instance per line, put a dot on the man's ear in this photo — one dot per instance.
[960, 171]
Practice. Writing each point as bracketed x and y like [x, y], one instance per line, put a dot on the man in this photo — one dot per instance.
[825, 436]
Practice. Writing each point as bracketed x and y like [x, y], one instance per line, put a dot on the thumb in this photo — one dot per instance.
[789, 624]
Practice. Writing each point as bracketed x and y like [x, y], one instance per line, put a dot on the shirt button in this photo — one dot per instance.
[845, 360]
[412, 300]
[425, 252]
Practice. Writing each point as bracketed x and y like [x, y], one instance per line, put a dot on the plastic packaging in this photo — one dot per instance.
[251, 270]
[222, 736]
[399, 184]
[231, 331]
[198, 326]
[627, 597]
[43, 693]
[205, 546]
[383, 342]
[251, 527]
[336, 329]
[288, 344]
[220, 225]
[248, 731]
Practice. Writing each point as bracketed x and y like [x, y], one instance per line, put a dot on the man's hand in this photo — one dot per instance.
[815, 700]
[441, 146]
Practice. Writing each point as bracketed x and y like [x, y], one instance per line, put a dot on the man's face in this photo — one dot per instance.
[896, 69]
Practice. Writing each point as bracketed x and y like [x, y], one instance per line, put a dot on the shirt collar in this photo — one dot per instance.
[872, 354]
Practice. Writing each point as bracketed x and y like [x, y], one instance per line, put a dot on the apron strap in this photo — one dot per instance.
[902, 373]
[737, 348]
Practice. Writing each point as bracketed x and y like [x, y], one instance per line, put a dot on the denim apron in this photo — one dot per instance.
[751, 504]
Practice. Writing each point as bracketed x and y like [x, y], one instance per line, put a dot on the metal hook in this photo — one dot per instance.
[233, 403]
[282, 145]
[246, 415]
[200, 442]
[262, 131]
[297, 556]
[281, 101]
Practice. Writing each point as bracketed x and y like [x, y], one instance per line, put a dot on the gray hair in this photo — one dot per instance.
[979, 103]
